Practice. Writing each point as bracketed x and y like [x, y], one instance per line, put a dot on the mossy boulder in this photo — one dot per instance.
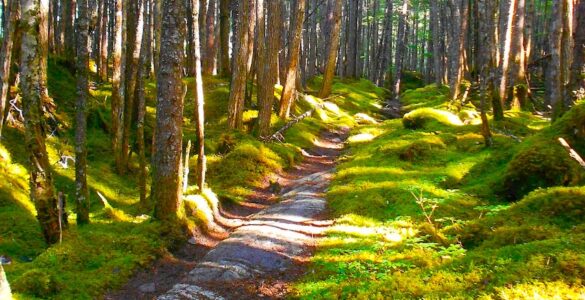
[542, 162]
[421, 149]
[428, 118]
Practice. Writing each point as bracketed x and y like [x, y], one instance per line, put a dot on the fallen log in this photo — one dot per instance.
[572, 152]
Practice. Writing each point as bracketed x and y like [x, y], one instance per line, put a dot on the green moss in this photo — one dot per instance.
[429, 118]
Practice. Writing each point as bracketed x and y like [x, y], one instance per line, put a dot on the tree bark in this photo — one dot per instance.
[238, 83]
[577, 83]
[166, 178]
[199, 103]
[334, 17]
[289, 90]
[224, 35]
[210, 52]
[117, 89]
[81, 189]
[268, 43]
[143, 72]
[400, 49]
[6, 57]
[34, 18]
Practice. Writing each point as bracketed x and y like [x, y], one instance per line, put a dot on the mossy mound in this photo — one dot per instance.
[422, 149]
[411, 80]
[428, 96]
[542, 162]
[430, 118]
[542, 215]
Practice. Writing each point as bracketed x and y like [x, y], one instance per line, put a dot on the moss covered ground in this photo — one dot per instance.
[423, 210]
[122, 238]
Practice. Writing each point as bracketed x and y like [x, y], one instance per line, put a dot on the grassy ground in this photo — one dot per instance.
[423, 209]
[101, 256]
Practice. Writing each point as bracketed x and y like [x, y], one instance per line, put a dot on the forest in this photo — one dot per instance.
[292, 149]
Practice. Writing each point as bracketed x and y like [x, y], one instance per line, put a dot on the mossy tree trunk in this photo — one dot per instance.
[42, 191]
[166, 178]
[210, 51]
[577, 82]
[81, 190]
[334, 16]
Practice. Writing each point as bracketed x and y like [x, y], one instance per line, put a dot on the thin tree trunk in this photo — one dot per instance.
[334, 17]
[117, 89]
[224, 34]
[31, 72]
[166, 178]
[143, 72]
[289, 90]
[506, 49]
[6, 58]
[199, 102]
[400, 49]
[210, 52]
[577, 82]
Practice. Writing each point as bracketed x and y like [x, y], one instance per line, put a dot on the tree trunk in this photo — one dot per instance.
[555, 69]
[117, 89]
[268, 44]
[224, 35]
[238, 83]
[31, 72]
[210, 52]
[435, 32]
[334, 17]
[577, 83]
[352, 35]
[143, 72]
[166, 178]
[506, 49]
[400, 49]
[199, 102]
[6, 58]
[82, 40]
[289, 90]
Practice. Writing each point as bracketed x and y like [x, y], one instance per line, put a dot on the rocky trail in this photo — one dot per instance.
[265, 252]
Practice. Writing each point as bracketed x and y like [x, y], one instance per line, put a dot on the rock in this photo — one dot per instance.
[5, 260]
[147, 288]
[192, 241]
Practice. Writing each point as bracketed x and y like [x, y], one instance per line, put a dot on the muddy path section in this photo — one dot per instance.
[265, 252]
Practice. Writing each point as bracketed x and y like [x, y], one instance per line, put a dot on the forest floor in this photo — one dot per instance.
[271, 238]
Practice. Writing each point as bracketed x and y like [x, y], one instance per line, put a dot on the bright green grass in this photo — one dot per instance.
[478, 246]
[122, 238]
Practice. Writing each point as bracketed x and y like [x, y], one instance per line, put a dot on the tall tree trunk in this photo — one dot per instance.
[199, 102]
[238, 83]
[506, 50]
[555, 69]
[103, 70]
[133, 42]
[224, 36]
[6, 58]
[166, 178]
[460, 16]
[268, 43]
[435, 32]
[210, 52]
[577, 83]
[400, 48]
[117, 89]
[34, 18]
[334, 17]
[289, 90]
[143, 73]
[352, 36]
[69, 32]
[82, 40]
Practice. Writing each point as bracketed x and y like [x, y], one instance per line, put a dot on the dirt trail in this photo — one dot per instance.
[266, 252]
